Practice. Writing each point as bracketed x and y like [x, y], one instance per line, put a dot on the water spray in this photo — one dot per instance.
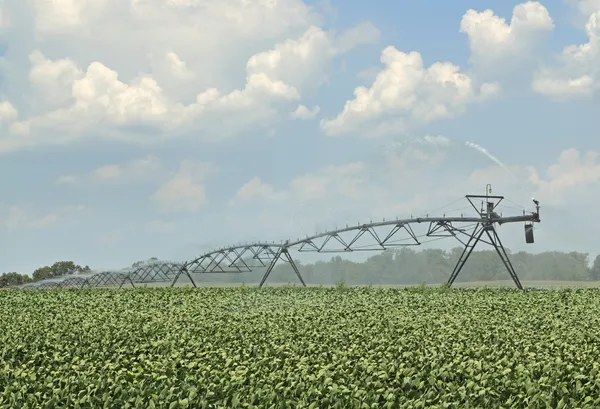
[495, 159]
[492, 157]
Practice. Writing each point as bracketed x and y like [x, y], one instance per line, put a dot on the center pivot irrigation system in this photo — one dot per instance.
[361, 237]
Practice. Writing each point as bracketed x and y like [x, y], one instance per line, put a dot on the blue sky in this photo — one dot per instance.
[137, 129]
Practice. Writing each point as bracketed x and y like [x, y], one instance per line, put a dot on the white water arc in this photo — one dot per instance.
[492, 157]
[484, 151]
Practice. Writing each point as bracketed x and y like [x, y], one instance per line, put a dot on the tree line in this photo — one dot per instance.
[404, 266]
[58, 269]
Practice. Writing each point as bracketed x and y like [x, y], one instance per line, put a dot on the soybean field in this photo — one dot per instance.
[300, 348]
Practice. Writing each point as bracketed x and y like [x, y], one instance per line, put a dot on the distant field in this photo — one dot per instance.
[472, 284]
[534, 284]
[300, 348]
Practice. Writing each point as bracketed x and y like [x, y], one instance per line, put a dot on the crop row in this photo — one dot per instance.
[300, 347]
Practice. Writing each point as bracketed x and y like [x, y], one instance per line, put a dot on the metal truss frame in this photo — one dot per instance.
[73, 282]
[489, 217]
[107, 279]
[152, 272]
[247, 257]
[230, 259]
[157, 272]
[49, 284]
[381, 243]
[238, 259]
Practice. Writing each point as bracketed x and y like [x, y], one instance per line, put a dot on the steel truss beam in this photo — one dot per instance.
[153, 272]
[108, 279]
[231, 259]
[381, 242]
[73, 282]
[242, 258]
[49, 284]
[157, 272]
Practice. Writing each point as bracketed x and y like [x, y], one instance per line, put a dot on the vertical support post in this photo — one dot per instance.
[473, 240]
[293, 264]
[271, 266]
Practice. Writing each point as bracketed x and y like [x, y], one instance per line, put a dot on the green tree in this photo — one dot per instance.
[142, 262]
[595, 270]
[408, 265]
[12, 279]
[42, 273]
[59, 269]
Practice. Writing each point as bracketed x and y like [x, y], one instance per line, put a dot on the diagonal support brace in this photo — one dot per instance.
[294, 266]
[478, 232]
[473, 239]
[495, 239]
[128, 278]
[187, 273]
[282, 252]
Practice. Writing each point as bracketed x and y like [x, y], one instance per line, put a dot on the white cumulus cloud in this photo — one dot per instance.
[8, 113]
[185, 191]
[507, 51]
[303, 112]
[405, 93]
[74, 97]
[254, 189]
[577, 72]
[491, 38]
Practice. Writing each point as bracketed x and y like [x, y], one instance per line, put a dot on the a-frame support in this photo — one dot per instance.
[282, 252]
[185, 271]
[125, 280]
[480, 229]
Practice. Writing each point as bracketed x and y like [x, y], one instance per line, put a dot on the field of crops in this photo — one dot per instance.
[295, 347]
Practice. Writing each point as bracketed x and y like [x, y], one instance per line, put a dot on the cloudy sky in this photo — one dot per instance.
[140, 128]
